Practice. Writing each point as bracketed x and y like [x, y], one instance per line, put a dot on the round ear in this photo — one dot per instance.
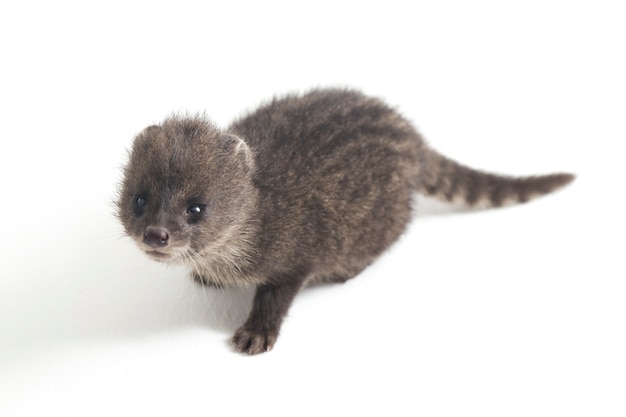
[150, 133]
[146, 141]
[238, 148]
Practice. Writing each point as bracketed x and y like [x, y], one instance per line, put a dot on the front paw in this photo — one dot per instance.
[253, 342]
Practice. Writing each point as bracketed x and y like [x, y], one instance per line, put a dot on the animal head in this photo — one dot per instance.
[187, 188]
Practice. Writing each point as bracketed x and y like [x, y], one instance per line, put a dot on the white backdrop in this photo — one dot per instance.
[511, 312]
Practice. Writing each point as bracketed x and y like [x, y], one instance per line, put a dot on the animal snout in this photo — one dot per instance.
[156, 237]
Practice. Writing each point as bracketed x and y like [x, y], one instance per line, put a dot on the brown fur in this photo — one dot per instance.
[307, 188]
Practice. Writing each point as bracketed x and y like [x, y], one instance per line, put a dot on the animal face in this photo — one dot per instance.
[186, 187]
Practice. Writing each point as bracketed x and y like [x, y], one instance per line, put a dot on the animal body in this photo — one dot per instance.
[308, 188]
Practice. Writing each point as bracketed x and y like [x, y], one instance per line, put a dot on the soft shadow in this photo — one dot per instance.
[106, 290]
[96, 285]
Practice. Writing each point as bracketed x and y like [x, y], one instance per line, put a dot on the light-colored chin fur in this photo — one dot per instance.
[224, 262]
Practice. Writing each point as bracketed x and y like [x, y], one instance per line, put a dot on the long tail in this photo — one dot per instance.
[450, 181]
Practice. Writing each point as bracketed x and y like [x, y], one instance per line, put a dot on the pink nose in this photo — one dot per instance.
[156, 237]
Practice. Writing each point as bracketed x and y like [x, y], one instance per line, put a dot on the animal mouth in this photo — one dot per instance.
[157, 254]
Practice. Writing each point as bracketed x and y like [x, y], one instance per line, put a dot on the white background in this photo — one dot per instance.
[512, 312]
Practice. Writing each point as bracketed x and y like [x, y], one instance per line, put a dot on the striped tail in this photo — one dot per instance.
[450, 181]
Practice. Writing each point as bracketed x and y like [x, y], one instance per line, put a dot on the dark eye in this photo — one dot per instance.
[141, 201]
[195, 209]
[139, 204]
